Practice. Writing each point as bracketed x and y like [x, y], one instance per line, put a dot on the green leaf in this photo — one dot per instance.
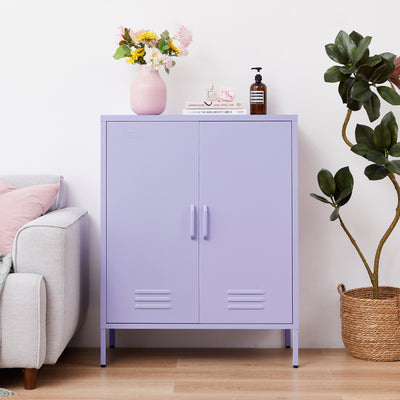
[375, 172]
[354, 105]
[344, 88]
[345, 43]
[360, 91]
[320, 198]
[372, 61]
[390, 122]
[326, 182]
[335, 214]
[344, 186]
[372, 106]
[365, 135]
[335, 54]
[361, 48]
[361, 149]
[389, 94]
[382, 73]
[365, 73]
[395, 150]
[389, 57]
[333, 74]
[123, 51]
[382, 137]
[356, 37]
[376, 157]
[394, 166]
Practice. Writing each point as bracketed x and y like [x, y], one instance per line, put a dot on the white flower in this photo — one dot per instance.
[153, 57]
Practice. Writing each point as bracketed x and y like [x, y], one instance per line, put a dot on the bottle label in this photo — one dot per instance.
[257, 97]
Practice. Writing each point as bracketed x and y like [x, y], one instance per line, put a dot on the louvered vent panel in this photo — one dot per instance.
[153, 299]
[243, 299]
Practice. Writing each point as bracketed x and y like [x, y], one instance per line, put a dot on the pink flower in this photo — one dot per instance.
[168, 61]
[119, 38]
[185, 38]
[225, 94]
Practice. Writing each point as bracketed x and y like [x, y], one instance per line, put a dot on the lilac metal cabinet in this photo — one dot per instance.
[199, 224]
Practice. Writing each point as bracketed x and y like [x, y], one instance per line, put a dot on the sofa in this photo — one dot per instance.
[43, 300]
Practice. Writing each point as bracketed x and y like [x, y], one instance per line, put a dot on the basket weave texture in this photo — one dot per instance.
[371, 327]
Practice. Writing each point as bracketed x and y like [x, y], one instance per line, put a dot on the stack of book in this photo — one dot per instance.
[213, 107]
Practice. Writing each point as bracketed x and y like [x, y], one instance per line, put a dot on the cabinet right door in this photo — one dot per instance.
[245, 222]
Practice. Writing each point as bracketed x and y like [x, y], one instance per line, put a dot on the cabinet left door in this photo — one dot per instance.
[151, 206]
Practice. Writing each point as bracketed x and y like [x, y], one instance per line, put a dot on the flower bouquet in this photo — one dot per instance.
[146, 47]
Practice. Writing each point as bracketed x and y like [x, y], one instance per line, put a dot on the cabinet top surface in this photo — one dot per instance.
[194, 118]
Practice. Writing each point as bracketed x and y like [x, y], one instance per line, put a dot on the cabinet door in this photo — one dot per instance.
[152, 247]
[246, 227]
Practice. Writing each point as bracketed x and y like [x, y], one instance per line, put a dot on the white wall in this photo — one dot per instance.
[58, 76]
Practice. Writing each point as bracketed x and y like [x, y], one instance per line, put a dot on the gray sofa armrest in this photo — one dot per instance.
[23, 321]
[51, 246]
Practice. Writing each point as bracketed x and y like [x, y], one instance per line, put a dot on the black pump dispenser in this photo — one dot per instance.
[258, 94]
[258, 77]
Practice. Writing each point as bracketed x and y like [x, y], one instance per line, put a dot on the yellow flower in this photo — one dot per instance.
[173, 48]
[135, 55]
[147, 35]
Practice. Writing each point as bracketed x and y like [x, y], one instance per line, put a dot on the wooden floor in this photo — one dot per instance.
[210, 374]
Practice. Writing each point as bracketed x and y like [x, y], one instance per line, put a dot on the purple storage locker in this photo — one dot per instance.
[199, 224]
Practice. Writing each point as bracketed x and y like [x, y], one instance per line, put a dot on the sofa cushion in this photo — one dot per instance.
[19, 206]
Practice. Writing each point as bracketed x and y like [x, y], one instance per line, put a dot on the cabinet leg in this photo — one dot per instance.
[112, 338]
[287, 338]
[103, 347]
[295, 348]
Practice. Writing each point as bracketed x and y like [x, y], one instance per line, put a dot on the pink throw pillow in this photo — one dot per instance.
[5, 186]
[19, 206]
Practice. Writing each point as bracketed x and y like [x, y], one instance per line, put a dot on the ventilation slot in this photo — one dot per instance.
[155, 299]
[245, 299]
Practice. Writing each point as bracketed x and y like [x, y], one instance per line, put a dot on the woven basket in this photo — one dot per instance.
[371, 327]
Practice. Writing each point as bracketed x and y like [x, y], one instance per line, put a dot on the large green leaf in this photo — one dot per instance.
[382, 137]
[375, 172]
[382, 73]
[356, 37]
[344, 88]
[376, 157]
[364, 72]
[389, 121]
[333, 74]
[361, 149]
[372, 61]
[344, 185]
[354, 105]
[389, 94]
[361, 48]
[336, 54]
[123, 51]
[394, 166]
[360, 91]
[345, 43]
[395, 150]
[320, 198]
[326, 182]
[390, 58]
[365, 135]
[372, 107]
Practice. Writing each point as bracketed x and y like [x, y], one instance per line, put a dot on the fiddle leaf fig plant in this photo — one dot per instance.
[363, 81]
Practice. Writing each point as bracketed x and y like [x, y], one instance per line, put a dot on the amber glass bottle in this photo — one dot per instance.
[258, 95]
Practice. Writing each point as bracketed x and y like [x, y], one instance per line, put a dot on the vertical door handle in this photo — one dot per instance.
[205, 222]
[192, 222]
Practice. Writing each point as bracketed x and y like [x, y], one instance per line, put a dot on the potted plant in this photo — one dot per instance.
[370, 316]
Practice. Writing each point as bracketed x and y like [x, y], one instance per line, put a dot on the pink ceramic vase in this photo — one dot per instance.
[148, 92]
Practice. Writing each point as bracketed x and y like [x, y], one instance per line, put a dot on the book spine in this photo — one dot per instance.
[213, 111]
[217, 105]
